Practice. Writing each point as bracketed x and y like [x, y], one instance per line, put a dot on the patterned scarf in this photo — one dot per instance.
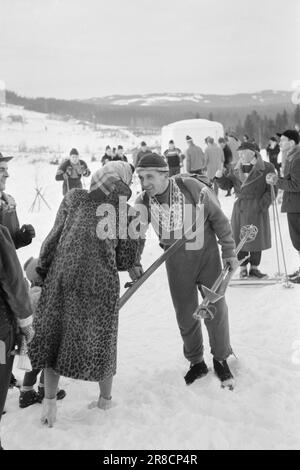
[105, 178]
[169, 218]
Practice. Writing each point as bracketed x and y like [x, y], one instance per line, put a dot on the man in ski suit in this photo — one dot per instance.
[71, 172]
[168, 199]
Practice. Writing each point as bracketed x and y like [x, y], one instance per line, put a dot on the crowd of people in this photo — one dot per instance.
[67, 311]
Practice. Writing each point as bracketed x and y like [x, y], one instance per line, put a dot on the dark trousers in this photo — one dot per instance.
[187, 272]
[31, 377]
[294, 228]
[274, 161]
[7, 343]
[255, 257]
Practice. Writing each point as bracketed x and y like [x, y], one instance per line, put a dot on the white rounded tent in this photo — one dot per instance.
[198, 129]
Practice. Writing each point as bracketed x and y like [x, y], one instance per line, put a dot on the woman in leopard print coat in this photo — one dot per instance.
[76, 322]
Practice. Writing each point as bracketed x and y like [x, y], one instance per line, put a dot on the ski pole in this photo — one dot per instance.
[217, 291]
[278, 274]
[286, 283]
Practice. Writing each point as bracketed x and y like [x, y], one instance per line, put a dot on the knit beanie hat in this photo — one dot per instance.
[152, 161]
[188, 138]
[74, 152]
[249, 146]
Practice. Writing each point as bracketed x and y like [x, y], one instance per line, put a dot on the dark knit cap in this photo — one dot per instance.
[74, 152]
[171, 141]
[120, 147]
[143, 144]
[291, 135]
[249, 146]
[188, 138]
[152, 161]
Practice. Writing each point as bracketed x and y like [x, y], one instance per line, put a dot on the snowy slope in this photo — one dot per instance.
[41, 136]
[154, 408]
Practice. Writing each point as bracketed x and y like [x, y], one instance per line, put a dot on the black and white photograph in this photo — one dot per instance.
[149, 227]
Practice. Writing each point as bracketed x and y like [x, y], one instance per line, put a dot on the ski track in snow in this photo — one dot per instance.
[154, 408]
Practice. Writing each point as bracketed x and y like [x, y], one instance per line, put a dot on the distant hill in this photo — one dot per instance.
[156, 110]
[197, 100]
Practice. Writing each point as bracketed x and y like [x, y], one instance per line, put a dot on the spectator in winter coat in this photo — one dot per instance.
[273, 151]
[226, 179]
[252, 207]
[15, 310]
[107, 157]
[120, 156]
[170, 204]
[76, 320]
[195, 160]
[233, 143]
[28, 396]
[173, 157]
[71, 171]
[214, 160]
[290, 183]
[8, 216]
[144, 149]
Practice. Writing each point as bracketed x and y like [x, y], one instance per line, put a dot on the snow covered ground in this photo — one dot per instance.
[154, 408]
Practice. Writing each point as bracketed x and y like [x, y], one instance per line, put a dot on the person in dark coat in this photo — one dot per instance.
[15, 310]
[273, 151]
[142, 151]
[168, 204]
[120, 156]
[71, 171]
[226, 179]
[107, 157]
[290, 183]
[76, 321]
[252, 207]
[173, 156]
[8, 215]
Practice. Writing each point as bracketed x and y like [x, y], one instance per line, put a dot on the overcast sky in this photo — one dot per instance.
[86, 48]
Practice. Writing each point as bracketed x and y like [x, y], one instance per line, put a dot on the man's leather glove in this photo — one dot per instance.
[28, 230]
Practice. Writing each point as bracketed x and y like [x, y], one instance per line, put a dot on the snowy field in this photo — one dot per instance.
[154, 409]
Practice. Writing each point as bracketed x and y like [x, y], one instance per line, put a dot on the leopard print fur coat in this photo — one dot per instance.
[76, 321]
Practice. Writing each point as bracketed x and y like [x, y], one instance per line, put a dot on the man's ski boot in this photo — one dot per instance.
[255, 272]
[196, 372]
[224, 374]
[295, 279]
[295, 274]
